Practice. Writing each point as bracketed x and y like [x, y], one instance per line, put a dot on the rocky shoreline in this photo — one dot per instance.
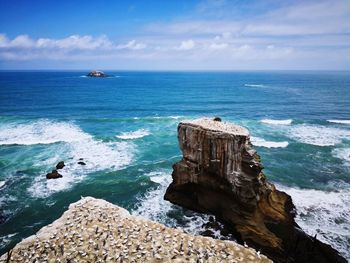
[94, 230]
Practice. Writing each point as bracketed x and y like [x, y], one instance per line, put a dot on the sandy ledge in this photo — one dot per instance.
[94, 230]
[219, 126]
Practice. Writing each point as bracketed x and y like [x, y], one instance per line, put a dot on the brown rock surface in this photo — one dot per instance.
[53, 175]
[221, 174]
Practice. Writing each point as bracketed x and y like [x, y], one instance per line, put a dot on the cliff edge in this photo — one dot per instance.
[93, 230]
[221, 174]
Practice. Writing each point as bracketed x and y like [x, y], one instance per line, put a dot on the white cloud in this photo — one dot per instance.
[217, 46]
[133, 45]
[186, 45]
[290, 36]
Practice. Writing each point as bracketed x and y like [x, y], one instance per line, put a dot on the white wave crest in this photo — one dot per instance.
[74, 144]
[133, 134]
[339, 121]
[2, 184]
[255, 85]
[260, 142]
[326, 214]
[319, 135]
[40, 132]
[342, 153]
[277, 122]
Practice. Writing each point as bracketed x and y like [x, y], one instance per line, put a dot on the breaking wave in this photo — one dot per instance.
[325, 213]
[133, 134]
[319, 135]
[277, 122]
[339, 121]
[40, 132]
[260, 142]
[75, 145]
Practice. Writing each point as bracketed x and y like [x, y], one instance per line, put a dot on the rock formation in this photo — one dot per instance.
[97, 74]
[221, 174]
[93, 230]
[60, 165]
[53, 175]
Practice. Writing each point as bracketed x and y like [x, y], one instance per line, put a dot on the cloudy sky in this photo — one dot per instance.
[175, 35]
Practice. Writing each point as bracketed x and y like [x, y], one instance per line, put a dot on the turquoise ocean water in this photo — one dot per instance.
[124, 127]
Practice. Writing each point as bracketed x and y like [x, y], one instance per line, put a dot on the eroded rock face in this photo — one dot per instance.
[221, 174]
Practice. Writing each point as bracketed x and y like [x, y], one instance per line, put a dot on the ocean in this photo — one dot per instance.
[124, 128]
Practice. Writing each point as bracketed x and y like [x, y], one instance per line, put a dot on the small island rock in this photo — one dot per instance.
[97, 74]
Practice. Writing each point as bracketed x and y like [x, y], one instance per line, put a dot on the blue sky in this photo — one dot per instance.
[175, 35]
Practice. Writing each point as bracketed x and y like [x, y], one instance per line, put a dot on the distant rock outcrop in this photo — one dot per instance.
[221, 174]
[97, 74]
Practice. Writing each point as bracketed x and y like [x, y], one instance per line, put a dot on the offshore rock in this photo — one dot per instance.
[60, 165]
[97, 74]
[53, 175]
[221, 174]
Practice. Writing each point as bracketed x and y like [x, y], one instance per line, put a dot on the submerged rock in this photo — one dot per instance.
[221, 174]
[81, 163]
[53, 175]
[97, 74]
[60, 165]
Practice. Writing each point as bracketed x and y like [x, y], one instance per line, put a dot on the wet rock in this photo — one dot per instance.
[221, 174]
[81, 163]
[53, 175]
[60, 165]
[217, 119]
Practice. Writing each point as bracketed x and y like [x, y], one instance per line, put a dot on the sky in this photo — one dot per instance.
[175, 35]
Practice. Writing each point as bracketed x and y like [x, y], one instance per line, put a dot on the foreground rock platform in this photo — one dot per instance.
[221, 174]
[94, 230]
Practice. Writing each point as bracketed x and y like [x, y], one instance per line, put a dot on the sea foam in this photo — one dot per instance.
[96, 155]
[153, 206]
[40, 132]
[133, 134]
[260, 142]
[318, 135]
[74, 144]
[277, 122]
[343, 154]
[324, 213]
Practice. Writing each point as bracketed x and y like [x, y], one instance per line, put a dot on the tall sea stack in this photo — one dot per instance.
[221, 174]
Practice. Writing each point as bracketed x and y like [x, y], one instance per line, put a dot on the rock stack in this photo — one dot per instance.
[221, 174]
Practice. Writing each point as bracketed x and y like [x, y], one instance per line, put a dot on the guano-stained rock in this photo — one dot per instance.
[221, 174]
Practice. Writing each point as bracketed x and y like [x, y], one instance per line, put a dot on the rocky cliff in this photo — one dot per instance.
[221, 174]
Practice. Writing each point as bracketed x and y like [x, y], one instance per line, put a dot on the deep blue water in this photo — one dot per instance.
[125, 129]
